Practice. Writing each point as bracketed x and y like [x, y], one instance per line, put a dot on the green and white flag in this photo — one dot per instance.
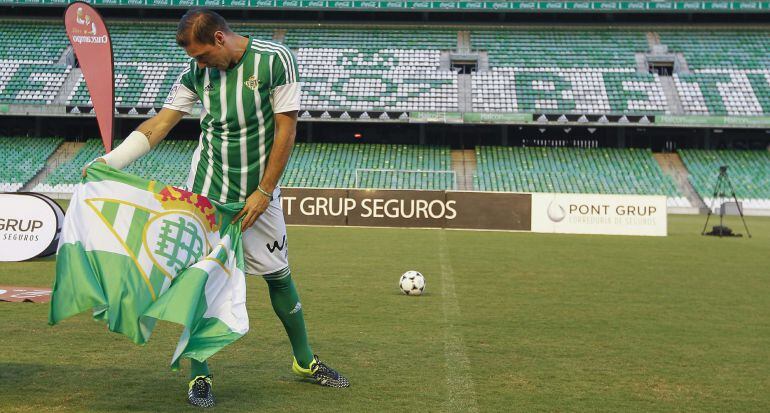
[136, 251]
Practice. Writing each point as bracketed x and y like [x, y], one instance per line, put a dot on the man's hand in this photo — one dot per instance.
[256, 204]
[89, 164]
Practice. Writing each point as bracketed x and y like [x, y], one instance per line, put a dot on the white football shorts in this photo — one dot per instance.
[265, 247]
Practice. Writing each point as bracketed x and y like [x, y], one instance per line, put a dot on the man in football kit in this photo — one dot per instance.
[250, 93]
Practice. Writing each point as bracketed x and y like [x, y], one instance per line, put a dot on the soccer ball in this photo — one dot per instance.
[412, 283]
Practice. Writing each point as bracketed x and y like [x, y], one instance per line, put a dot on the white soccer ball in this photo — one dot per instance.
[412, 283]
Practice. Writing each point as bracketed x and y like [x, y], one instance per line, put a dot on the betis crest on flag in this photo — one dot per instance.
[137, 251]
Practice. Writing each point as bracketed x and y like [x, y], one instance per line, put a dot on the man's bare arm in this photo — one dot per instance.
[157, 127]
[153, 130]
[257, 202]
[285, 132]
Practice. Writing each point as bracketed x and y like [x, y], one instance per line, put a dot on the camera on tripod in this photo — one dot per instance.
[721, 187]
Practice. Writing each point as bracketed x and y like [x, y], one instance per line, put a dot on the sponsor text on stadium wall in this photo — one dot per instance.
[400, 208]
[599, 214]
[581, 6]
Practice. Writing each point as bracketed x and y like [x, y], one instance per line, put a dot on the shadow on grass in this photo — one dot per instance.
[43, 259]
[18, 372]
[38, 387]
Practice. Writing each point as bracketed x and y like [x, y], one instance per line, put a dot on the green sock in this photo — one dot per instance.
[198, 368]
[285, 300]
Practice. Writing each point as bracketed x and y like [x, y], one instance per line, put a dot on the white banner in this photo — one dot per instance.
[28, 226]
[599, 214]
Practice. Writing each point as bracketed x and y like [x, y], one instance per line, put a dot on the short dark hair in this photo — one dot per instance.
[200, 24]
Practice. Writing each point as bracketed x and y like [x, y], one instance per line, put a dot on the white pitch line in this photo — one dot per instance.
[462, 395]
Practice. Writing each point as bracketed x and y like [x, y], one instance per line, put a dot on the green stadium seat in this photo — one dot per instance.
[371, 40]
[730, 70]
[573, 170]
[147, 63]
[375, 69]
[22, 158]
[366, 80]
[720, 48]
[31, 42]
[749, 172]
[565, 71]
[168, 163]
[31, 83]
[334, 165]
[563, 48]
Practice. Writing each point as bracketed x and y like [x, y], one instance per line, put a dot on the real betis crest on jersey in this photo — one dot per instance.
[137, 251]
[252, 83]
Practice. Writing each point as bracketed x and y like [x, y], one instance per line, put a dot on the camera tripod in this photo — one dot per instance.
[722, 185]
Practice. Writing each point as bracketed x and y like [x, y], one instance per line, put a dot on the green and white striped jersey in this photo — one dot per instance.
[237, 121]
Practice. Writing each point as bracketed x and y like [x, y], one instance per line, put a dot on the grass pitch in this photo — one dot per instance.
[510, 322]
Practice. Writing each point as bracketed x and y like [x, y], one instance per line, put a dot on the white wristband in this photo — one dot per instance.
[133, 148]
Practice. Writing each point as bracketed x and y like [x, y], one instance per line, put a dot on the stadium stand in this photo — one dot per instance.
[731, 71]
[573, 170]
[147, 67]
[136, 85]
[583, 70]
[332, 165]
[589, 49]
[28, 53]
[361, 70]
[316, 165]
[22, 159]
[31, 42]
[169, 163]
[371, 39]
[147, 62]
[749, 172]
[146, 42]
[66, 176]
[725, 92]
[565, 71]
[720, 48]
[34, 84]
[388, 79]
[596, 91]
